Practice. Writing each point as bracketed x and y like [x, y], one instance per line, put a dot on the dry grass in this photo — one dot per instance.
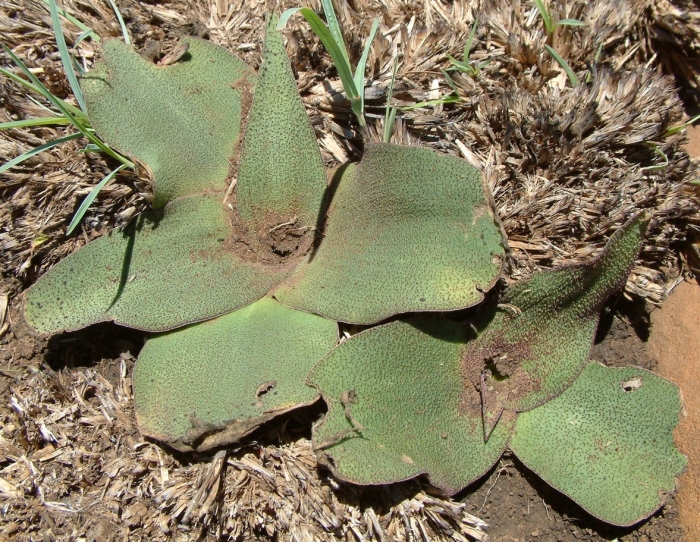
[566, 166]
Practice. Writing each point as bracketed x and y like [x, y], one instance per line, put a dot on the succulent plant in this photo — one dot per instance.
[244, 287]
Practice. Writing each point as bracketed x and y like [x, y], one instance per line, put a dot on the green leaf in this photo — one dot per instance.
[281, 178]
[172, 267]
[212, 383]
[41, 148]
[90, 198]
[408, 230]
[539, 340]
[606, 442]
[182, 120]
[397, 408]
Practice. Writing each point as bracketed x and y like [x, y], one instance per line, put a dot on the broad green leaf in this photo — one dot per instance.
[539, 340]
[212, 383]
[169, 268]
[606, 442]
[408, 230]
[398, 407]
[281, 178]
[182, 120]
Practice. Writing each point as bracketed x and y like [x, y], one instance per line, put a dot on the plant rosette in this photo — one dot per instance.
[245, 285]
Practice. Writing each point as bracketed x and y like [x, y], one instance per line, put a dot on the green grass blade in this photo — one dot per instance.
[461, 66]
[89, 33]
[90, 198]
[449, 81]
[37, 88]
[449, 99]
[334, 28]
[546, 16]
[362, 65]
[125, 32]
[331, 46]
[76, 120]
[390, 115]
[564, 64]
[570, 22]
[677, 129]
[90, 148]
[86, 29]
[470, 39]
[65, 55]
[41, 121]
[37, 150]
[660, 153]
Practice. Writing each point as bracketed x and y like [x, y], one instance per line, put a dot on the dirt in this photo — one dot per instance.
[676, 344]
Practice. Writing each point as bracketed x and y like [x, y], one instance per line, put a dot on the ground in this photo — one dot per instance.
[72, 463]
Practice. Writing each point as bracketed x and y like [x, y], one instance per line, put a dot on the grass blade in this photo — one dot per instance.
[449, 81]
[78, 216]
[37, 150]
[125, 32]
[461, 66]
[76, 120]
[470, 39]
[41, 121]
[334, 28]
[362, 65]
[546, 16]
[570, 22]
[65, 55]
[331, 46]
[86, 29]
[449, 99]
[660, 153]
[390, 115]
[677, 129]
[564, 64]
[38, 89]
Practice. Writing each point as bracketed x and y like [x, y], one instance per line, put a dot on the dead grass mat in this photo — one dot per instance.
[566, 165]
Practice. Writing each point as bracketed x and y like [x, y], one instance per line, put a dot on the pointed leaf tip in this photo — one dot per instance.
[538, 340]
[281, 177]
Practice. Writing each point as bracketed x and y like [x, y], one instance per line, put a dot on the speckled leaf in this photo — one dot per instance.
[171, 267]
[281, 177]
[182, 120]
[397, 408]
[212, 383]
[408, 230]
[540, 338]
[606, 442]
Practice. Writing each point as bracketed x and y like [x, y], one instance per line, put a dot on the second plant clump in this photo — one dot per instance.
[246, 286]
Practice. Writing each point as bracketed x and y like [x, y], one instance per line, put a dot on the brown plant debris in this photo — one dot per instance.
[567, 165]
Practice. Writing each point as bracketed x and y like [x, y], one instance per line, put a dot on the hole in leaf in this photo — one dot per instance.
[264, 388]
[632, 384]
